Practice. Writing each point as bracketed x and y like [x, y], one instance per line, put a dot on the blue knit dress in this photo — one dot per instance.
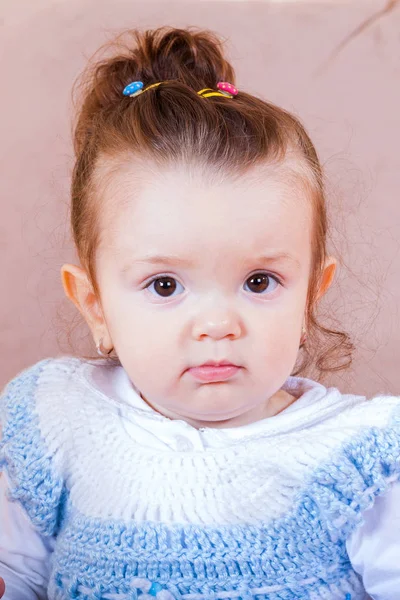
[262, 518]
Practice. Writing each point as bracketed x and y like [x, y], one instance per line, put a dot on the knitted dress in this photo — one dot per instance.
[265, 516]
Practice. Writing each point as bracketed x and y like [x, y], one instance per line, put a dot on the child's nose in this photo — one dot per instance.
[217, 323]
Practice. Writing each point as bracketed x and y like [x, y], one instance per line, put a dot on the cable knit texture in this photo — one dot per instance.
[263, 517]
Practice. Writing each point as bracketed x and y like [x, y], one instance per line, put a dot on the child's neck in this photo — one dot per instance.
[276, 404]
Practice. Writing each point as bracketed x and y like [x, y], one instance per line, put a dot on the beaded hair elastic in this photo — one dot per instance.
[225, 89]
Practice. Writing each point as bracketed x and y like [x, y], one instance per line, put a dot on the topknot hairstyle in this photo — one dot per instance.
[173, 124]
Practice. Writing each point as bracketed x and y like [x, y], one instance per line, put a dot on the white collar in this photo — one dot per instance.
[315, 402]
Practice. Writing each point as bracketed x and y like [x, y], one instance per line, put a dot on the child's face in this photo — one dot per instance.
[212, 309]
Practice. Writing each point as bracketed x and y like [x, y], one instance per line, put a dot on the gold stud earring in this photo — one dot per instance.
[303, 337]
[101, 351]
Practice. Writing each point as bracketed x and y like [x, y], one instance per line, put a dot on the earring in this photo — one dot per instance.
[303, 337]
[101, 351]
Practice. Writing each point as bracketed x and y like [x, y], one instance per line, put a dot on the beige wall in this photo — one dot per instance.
[281, 51]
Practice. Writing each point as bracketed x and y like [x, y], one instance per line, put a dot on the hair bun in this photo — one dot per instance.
[194, 57]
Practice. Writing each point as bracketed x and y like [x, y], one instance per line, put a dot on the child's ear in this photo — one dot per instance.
[328, 276]
[80, 291]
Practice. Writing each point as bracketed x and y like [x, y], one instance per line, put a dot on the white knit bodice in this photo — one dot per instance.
[116, 465]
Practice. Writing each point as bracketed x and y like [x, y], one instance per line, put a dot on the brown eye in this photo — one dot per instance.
[259, 282]
[163, 286]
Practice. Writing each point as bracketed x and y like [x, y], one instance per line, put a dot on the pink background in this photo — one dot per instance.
[282, 52]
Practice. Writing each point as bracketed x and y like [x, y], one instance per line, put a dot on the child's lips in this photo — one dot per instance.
[210, 373]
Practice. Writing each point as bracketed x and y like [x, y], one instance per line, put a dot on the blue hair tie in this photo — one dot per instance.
[133, 89]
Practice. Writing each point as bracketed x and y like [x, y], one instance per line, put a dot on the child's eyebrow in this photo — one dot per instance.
[158, 259]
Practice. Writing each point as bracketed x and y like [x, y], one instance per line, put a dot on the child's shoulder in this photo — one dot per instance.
[49, 375]
[29, 377]
[37, 401]
[367, 427]
[320, 410]
[379, 410]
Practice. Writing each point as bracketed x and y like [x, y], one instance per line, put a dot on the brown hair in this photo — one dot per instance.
[171, 123]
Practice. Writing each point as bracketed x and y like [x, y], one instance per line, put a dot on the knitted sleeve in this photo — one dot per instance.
[34, 479]
[364, 469]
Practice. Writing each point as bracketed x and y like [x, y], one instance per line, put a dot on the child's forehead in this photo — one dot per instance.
[177, 204]
[192, 188]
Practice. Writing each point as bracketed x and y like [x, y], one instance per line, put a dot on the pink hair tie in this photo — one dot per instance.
[227, 88]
